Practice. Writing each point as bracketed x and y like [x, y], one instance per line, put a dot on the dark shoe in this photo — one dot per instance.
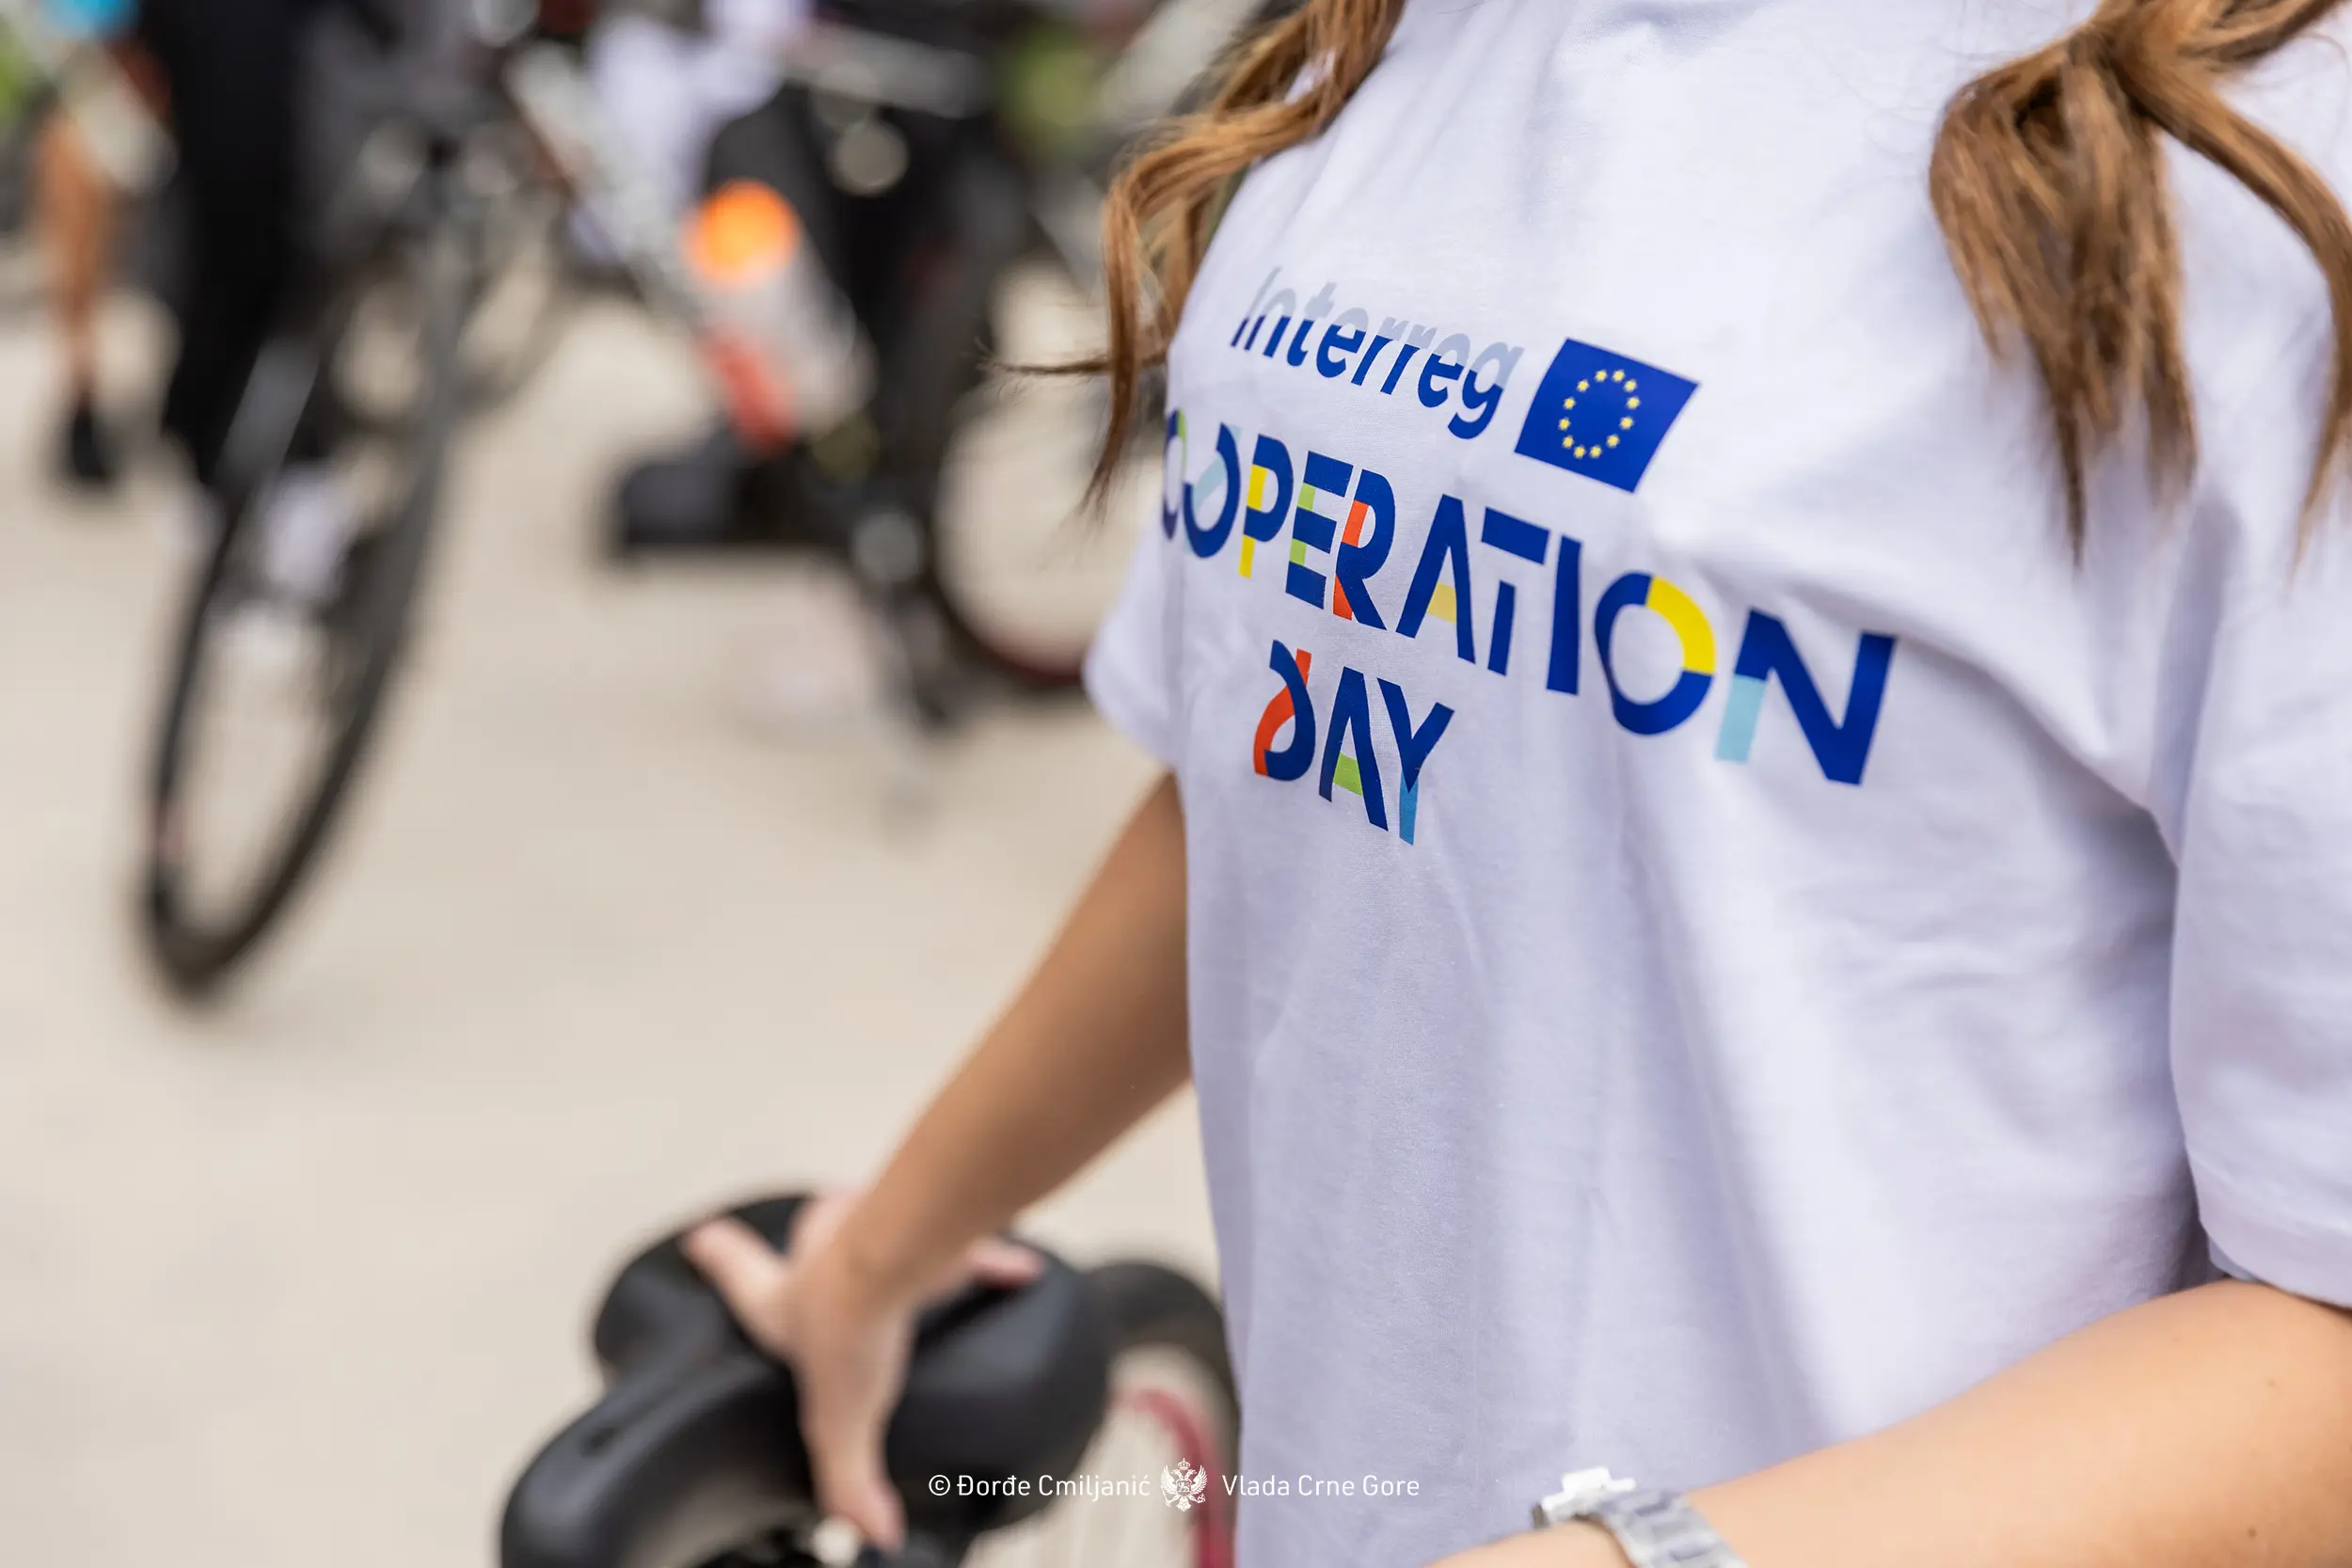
[88, 458]
[716, 496]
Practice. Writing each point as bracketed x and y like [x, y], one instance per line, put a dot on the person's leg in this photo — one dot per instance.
[77, 208]
[717, 492]
[233, 69]
[230, 67]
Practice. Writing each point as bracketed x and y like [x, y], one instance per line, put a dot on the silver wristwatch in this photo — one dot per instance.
[1656, 1529]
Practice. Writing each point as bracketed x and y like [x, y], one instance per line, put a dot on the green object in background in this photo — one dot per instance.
[1049, 82]
[20, 82]
[22, 85]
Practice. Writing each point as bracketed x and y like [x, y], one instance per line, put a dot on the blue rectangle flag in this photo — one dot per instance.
[1601, 415]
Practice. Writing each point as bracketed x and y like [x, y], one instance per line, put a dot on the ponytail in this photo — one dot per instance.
[2048, 180]
[1282, 87]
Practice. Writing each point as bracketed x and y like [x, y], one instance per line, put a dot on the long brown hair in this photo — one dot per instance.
[2047, 180]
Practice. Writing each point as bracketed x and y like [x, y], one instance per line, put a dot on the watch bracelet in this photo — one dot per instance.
[1660, 1529]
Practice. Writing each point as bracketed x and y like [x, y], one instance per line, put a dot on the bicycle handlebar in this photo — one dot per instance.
[695, 1445]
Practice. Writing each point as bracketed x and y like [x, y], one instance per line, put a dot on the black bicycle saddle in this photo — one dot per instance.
[695, 1446]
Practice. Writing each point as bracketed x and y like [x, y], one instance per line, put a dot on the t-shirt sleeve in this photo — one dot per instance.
[1132, 669]
[2261, 976]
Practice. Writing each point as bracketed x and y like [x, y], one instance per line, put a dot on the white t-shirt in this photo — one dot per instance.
[1710, 932]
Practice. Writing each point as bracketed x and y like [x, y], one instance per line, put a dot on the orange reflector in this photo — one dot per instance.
[743, 229]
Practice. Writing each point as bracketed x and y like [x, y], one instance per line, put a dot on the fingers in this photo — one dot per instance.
[1002, 1264]
[750, 1276]
[843, 1423]
[847, 1391]
[850, 1368]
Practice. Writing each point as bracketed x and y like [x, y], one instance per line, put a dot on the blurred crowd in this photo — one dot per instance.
[177, 145]
[166, 138]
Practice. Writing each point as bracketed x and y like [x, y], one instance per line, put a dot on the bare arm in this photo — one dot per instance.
[2207, 1429]
[1095, 1040]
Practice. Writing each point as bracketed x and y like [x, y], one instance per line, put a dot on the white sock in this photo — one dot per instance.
[308, 526]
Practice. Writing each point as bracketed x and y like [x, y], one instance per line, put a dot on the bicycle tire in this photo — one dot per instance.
[1055, 550]
[494, 379]
[1152, 1307]
[194, 949]
[1160, 1321]
[1148, 1304]
[943, 395]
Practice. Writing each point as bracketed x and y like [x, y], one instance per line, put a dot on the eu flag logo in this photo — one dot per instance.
[1601, 415]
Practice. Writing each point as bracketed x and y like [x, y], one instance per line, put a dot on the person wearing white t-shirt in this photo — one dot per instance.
[1752, 636]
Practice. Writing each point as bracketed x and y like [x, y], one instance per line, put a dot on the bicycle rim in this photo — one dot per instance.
[280, 673]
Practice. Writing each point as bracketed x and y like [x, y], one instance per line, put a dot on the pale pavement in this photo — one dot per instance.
[302, 1277]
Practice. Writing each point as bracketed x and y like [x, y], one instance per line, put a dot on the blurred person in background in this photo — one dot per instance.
[870, 220]
[224, 73]
[676, 75]
[248, 150]
[78, 211]
[1882, 1083]
[671, 74]
[229, 70]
